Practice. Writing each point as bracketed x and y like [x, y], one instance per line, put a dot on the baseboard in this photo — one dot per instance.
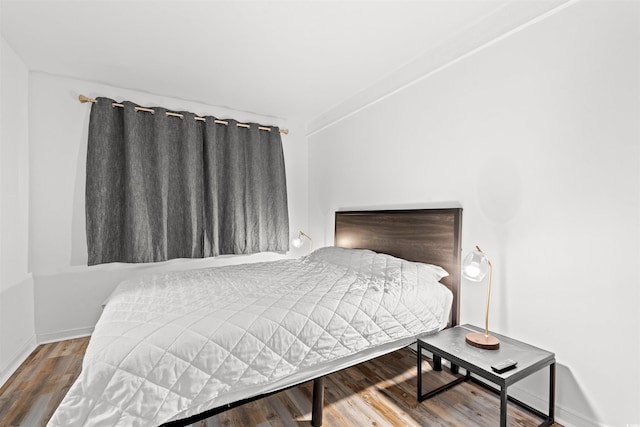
[19, 357]
[68, 334]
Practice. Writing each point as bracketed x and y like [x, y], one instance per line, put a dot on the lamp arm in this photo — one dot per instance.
[302, 233]
[486, 317]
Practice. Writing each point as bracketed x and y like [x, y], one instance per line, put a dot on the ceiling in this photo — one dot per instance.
[287, 59]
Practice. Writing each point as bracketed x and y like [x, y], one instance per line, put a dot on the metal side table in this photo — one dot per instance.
[450, 345]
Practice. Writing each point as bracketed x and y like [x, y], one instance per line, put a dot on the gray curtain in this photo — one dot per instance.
[245, 190]
[161, 187]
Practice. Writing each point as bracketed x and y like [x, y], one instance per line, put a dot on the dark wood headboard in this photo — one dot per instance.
[431, 236]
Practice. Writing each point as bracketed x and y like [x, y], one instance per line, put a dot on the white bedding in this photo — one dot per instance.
[170, 346]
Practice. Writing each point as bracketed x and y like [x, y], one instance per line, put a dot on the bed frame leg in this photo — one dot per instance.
[318, 402]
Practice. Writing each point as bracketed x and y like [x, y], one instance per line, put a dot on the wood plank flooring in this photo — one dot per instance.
[378, 393]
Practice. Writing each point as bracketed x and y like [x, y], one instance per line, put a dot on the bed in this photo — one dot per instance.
[169, 354]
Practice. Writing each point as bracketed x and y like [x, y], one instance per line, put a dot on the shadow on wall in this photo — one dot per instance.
[499, 189]
[533, 390]
[571, 395]
[499, 192]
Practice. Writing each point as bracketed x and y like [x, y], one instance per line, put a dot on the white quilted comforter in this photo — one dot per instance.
[173, 345]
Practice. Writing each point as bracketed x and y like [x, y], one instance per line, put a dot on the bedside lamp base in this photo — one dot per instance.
[482, 341]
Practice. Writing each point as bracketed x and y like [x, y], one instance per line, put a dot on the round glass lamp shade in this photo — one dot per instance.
[475, 266]
[297, 242]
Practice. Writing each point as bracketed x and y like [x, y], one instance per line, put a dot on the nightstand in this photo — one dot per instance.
[450, 345]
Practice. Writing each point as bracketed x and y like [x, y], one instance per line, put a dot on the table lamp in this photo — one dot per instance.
[475, 267]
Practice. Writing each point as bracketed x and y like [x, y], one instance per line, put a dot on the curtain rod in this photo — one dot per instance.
[84, 99]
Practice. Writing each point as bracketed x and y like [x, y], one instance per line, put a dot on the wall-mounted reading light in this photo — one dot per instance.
[297, 241]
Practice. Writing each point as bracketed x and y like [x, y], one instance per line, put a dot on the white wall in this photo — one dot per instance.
[17, 336]
[68, 294]
[537, 136]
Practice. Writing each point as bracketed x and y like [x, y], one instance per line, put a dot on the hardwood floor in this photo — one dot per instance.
[33, 392]
[378, 393]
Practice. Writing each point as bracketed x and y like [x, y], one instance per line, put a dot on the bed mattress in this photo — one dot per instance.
[173, 345]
